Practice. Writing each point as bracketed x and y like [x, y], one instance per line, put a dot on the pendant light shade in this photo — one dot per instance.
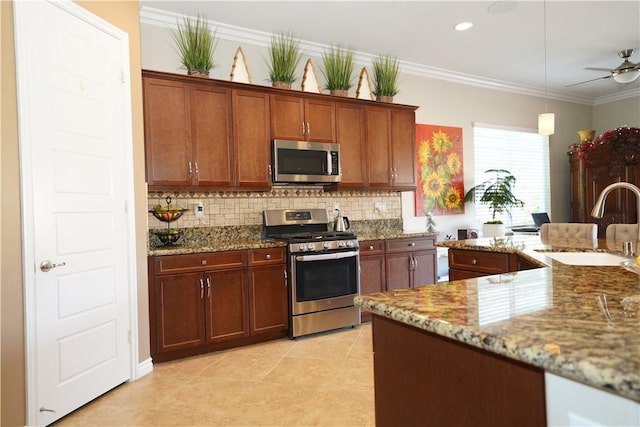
[546, 123]
[626, 76]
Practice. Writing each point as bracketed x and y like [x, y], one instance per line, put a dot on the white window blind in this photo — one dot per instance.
[526, 156]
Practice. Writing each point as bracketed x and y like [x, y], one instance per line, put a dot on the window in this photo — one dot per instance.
[526, 156]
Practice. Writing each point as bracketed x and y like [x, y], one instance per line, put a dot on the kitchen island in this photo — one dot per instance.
[488, 349]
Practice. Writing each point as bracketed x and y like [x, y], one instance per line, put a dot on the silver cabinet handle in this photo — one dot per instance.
[196, 164]
[47, 265]
[308, 129]
[474, 261]
[201, 288]
[371, 247]
[269, 172]
[303, 129]
[208, 287]
[412, 244]
[268, 256]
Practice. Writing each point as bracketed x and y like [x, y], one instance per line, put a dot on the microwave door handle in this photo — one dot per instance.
[320, 257]
[329, 163]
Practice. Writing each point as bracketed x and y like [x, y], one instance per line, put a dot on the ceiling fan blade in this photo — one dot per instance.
[587, 81]
[598, 69]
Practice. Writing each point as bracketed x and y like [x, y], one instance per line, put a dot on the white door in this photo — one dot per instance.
[75, 145]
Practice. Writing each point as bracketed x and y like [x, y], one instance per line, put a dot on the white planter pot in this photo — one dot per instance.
[492, 230]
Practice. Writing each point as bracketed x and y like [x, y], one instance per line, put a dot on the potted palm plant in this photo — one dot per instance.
[284, 56]
[385, 77]
[338, 67]
[195, 44]
[497, 192]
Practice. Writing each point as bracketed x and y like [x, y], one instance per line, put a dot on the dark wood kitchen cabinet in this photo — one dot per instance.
[252, 140]
[301, 118]
[410, 262]
[200, 135]
[199, 299]
[353, 150]
[268, 291]
[390, 136]
[372, 270]
[187, 134]
[467, 263]
[211, 301]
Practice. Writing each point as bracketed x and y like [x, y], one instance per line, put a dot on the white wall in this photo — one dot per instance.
[441, 102]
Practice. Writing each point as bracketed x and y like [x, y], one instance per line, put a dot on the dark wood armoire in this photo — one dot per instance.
[618, 161]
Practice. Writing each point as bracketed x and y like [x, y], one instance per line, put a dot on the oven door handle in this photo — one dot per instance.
[320, 257]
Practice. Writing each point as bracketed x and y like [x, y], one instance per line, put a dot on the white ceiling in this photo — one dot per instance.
[504, 49]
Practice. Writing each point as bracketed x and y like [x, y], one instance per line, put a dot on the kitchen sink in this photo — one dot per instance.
[586, 258]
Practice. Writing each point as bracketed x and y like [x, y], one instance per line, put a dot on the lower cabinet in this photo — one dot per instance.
[410, 262]
[372, 270]
[467, 264]
[211, 301]
[391, 264]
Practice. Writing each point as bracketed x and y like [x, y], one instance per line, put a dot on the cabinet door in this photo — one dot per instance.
[167, 132]
[372, 278]
[424, 263]
[251, 134]
[320, 118]
[399, 274]
[179, 310]
[287, 117]
[268, 299]
[378, 136]
[211, 136]
[597, 178]
[350, 136]
[403, 142]
[227, 314]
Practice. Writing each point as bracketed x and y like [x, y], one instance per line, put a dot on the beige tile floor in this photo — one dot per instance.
[318, 380]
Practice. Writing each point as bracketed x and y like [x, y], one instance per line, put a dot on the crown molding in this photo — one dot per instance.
[234, 33]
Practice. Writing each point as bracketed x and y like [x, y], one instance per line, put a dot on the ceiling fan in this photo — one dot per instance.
[623, 73]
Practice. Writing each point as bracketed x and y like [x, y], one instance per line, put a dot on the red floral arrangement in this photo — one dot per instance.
[622, 134]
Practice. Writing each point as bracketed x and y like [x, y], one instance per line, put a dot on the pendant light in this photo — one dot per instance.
[546, 121]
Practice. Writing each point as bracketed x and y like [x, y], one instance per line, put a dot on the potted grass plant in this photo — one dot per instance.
[385, 77]
[195, 43]
[338, 68]
[497, 192]
[284, 56]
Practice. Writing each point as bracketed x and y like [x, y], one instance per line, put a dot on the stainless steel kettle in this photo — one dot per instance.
[341, 223]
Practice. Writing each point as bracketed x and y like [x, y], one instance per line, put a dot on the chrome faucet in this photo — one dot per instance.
[598, 208]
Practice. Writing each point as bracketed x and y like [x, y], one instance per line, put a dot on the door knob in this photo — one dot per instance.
[47, 265]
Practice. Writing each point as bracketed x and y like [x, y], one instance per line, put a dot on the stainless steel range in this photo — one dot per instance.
[324, 270]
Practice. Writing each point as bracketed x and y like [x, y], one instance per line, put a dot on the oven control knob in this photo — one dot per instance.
[302, 247]
[342, 244]
[350, 243]
[326, 245]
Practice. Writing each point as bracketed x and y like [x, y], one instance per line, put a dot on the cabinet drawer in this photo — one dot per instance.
[371, 247]
[486, 262]
[266, 256]
[409, 244]
[200, 262]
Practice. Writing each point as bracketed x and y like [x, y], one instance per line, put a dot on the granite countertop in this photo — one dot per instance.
[579, 322]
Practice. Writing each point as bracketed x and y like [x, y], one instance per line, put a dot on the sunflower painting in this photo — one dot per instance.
[440, 188]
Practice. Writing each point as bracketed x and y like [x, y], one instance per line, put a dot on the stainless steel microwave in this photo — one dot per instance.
[305, 162]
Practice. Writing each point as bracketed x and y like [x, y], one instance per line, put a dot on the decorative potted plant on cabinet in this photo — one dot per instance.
[497, 192]
[385, 77]
[195, 44]
[338, 67]
[284, 56]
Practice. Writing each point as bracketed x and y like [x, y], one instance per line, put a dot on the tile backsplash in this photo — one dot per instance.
[245, 208]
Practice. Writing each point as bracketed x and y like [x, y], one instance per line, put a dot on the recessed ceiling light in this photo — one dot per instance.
[502, 6]
[463, 26]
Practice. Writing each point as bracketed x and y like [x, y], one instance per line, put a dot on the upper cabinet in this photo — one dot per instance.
[303, 118]
[201, 135]
[207, 134]
[390, 140]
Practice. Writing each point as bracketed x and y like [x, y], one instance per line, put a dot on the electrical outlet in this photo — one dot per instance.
[199, 210]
